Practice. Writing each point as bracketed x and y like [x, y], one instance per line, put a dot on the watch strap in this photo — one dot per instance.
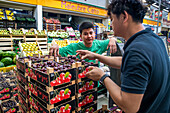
[103, 77]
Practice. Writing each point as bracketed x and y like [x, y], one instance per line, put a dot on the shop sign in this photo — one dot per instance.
[150, 22]
[73, 7]
[61, 4]
[33, 2]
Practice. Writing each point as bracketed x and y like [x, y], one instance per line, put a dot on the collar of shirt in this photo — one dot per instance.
[129, 41]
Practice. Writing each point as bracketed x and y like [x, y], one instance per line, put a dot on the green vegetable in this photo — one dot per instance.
[10, 65]
[14, 60]
[1, 64]
[7, 61]
[9, 54]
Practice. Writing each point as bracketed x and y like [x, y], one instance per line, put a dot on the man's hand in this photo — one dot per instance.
[86, 54]
[54, 49]
[95, 73]
[112, 45]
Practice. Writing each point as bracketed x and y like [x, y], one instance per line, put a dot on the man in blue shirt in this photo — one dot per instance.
[145, 66]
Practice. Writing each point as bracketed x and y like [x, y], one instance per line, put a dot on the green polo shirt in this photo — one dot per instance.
[98, 46]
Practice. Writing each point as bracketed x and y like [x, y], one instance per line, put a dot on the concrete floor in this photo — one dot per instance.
[102, 100]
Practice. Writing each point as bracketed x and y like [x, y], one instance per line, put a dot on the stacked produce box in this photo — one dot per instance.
[86, 91]
[47, 86]
[8, 92]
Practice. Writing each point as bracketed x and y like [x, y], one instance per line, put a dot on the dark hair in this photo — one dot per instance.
[85, 25]
[132, 7]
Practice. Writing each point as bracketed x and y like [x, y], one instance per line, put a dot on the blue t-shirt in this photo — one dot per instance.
[146, 70]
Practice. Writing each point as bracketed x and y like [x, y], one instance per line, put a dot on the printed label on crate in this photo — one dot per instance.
[89, 109]
[86, 86]
[22, 78]
[41, 77]
[21, 66]
[70, 106]
[86, 100]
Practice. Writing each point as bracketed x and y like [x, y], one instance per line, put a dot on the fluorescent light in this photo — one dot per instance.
[165, 10]
[155, 6]
[153, 3]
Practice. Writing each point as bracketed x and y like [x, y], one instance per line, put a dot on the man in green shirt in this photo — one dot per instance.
[89, 43]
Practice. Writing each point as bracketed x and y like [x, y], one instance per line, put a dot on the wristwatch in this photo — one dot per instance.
[103, 77]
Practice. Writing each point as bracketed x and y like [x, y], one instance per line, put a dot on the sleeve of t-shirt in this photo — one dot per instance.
[136, 69]
[64, 51]
[104, 44]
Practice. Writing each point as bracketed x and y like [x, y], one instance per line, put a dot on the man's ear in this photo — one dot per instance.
[125, 16]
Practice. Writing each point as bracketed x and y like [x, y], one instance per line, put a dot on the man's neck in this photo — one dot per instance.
[133, 29]
[87, 45]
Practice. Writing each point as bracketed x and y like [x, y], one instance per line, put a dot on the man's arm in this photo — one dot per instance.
[128, 102]
[114, 62]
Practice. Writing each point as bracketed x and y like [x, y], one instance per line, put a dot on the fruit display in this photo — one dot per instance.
[77, 33]
[61, 43]
[8, 92]
[4, 32]
[58, 34]
[70, 31]
[65, 109]
[17, 32]
[41, 32]
[7, 59]
[73, 41]
[30, 32]
[29, 49]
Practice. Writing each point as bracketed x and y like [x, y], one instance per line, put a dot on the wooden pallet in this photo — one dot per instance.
[6, 44]
[42, 40]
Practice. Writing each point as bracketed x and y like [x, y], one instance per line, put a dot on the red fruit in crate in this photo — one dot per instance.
[36, 93]
[52, 101]
[63, 79]
[87, 110]
[80, 75]
[62, 107]
[61, 92]
[18, 52]
[84, 102]
[58, 80]
[58, 99]
[70, 75]
[2, 91]
[84, 89]
[80, 90]
[92, 110]
[80, 104]
[87, 85]
[62, 75]
[69, 92]
[17, 48]
[16, 94]
[53, 83]
[87, 98]
[68, 111]
[87, 69]
[69, 107]
[91, 87]
[90, 100]
[67, 79]
[67, 96]
[62, 96]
